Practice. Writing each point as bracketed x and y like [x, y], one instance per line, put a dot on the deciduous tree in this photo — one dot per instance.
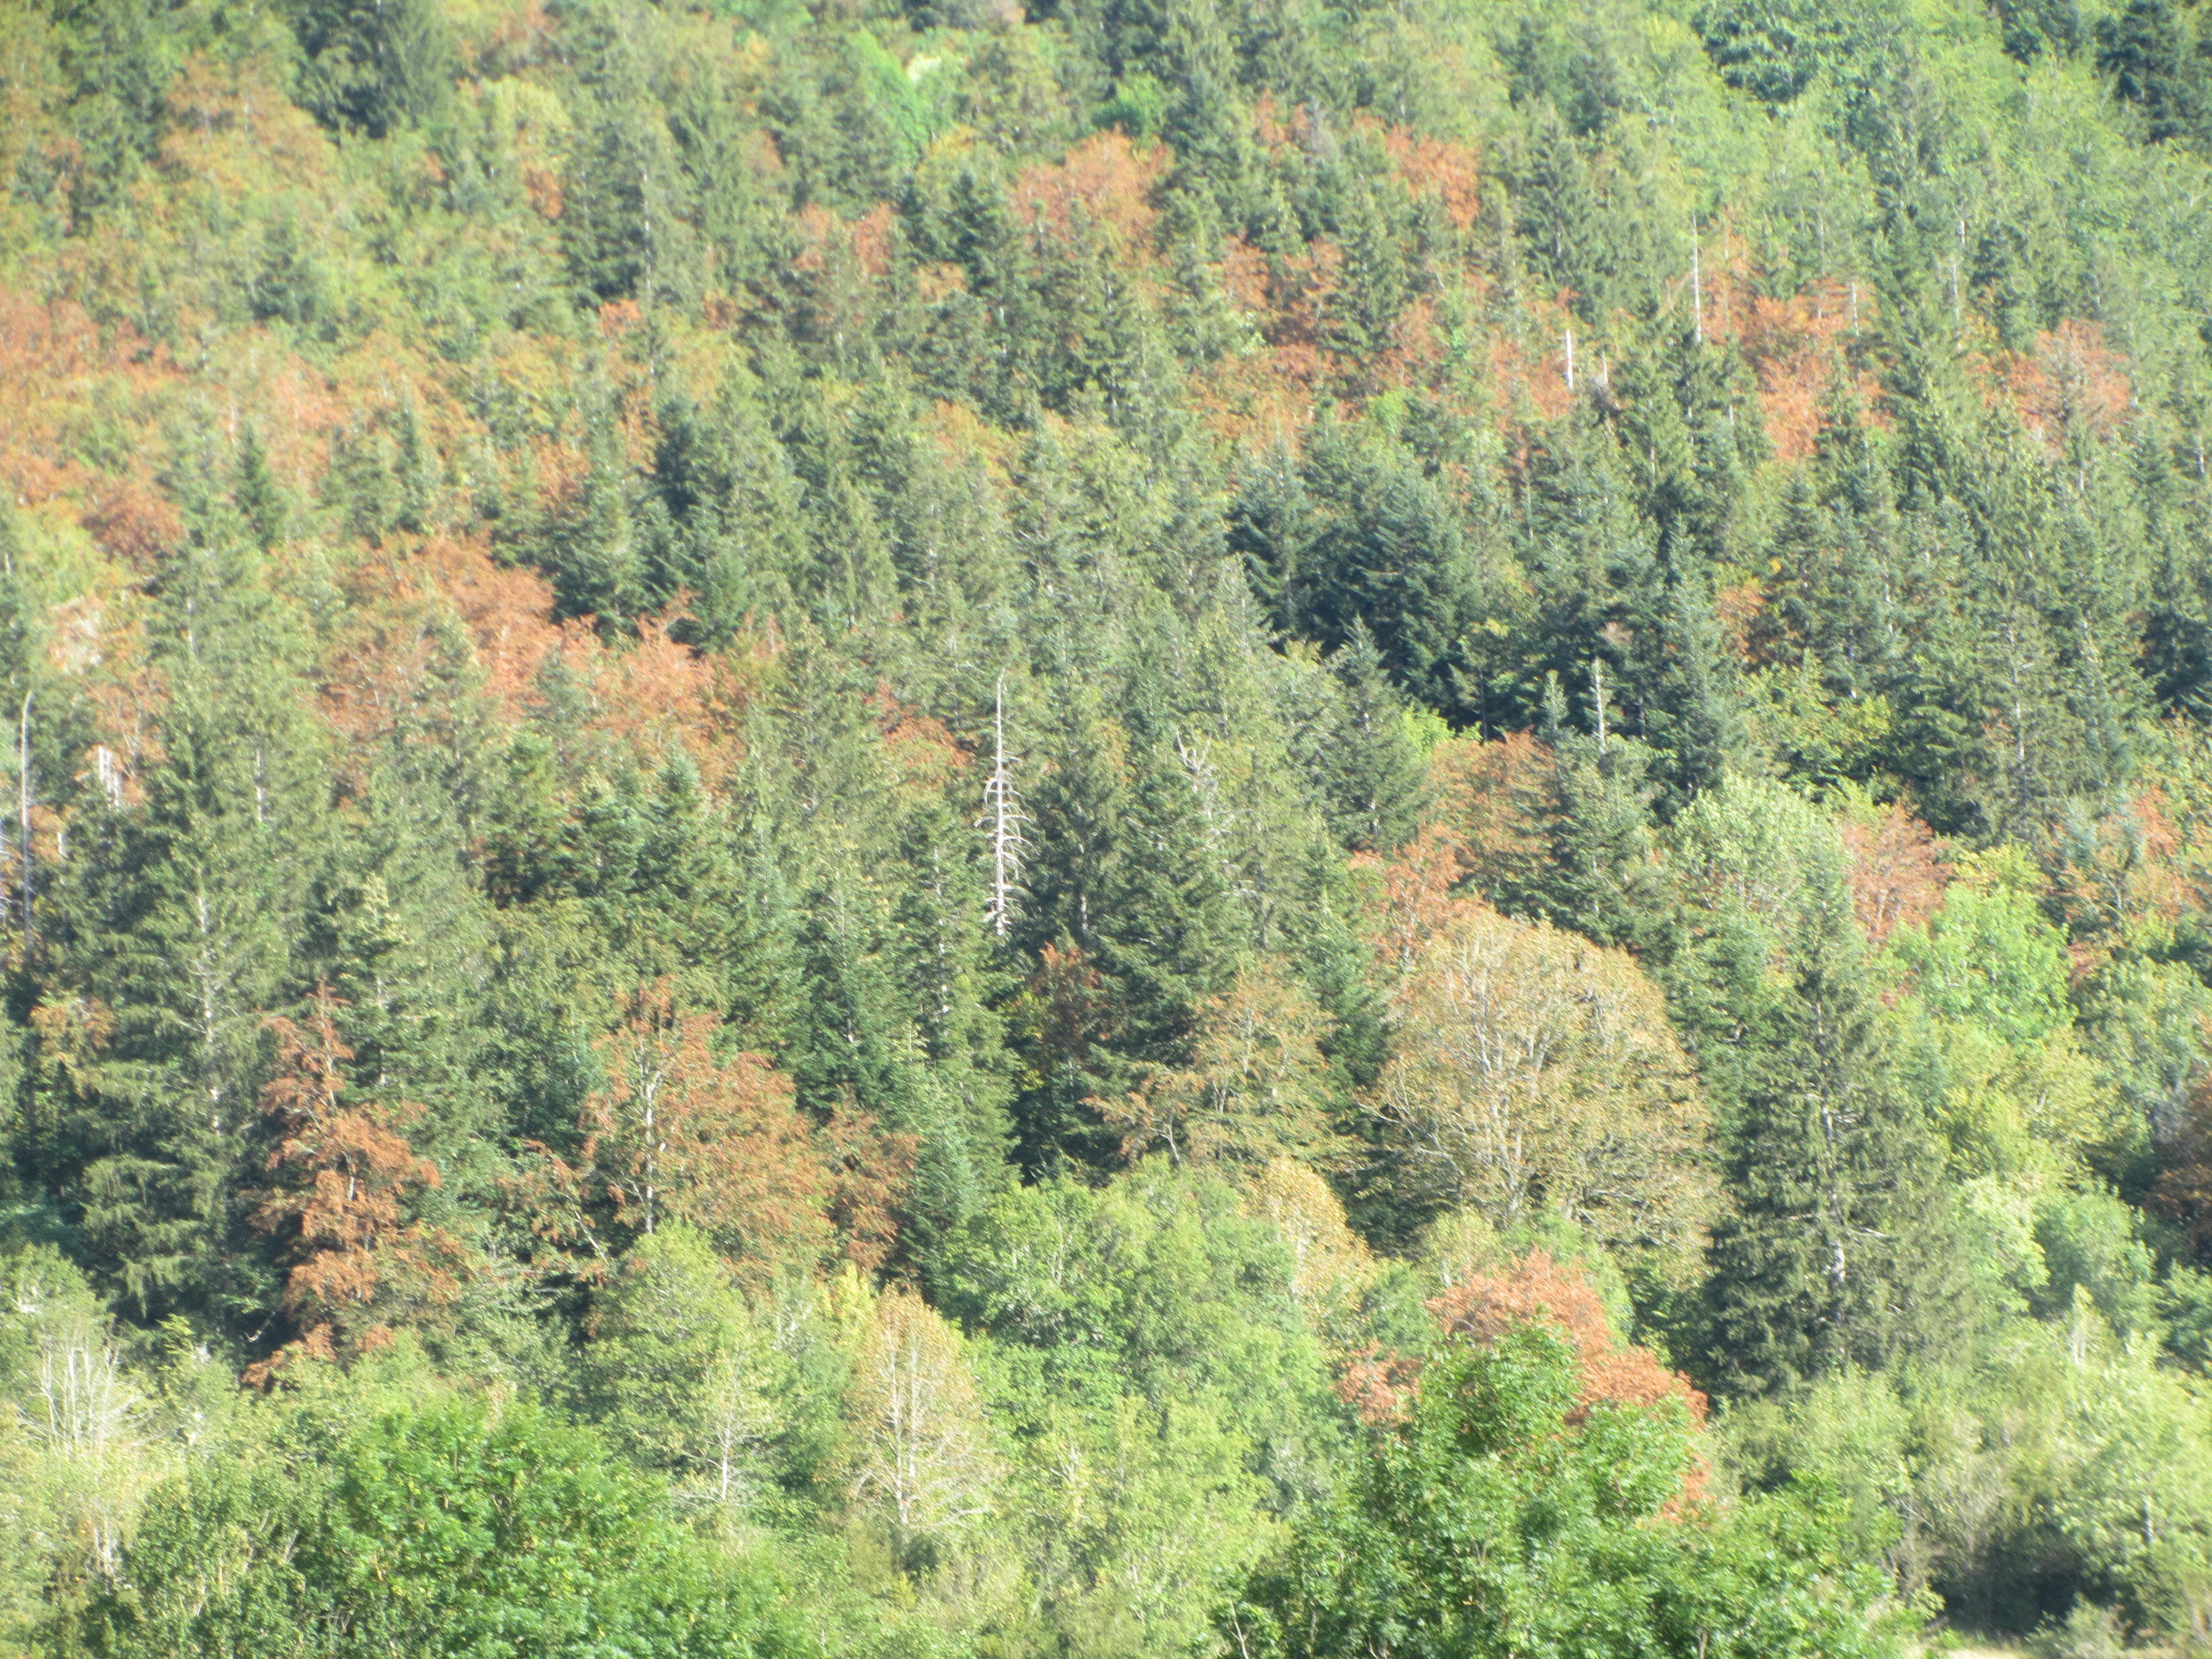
[923, 1459]
[1536, 1072]
[682, 1134]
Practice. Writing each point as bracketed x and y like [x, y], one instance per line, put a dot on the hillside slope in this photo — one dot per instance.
[1121, 726]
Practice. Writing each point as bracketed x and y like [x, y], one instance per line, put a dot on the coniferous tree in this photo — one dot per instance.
[1775, 448]
[1370, 767]
[2177, 630]
[406, 937]
[1173, 936]
[1696, 718]
[376, 68]
[964, 1075]
[1560, 216]
[259, 497]
[1836, 1252]
[2146, 51]
[1272, 527]
[592, 548]
[184, 918]
[1607, 880]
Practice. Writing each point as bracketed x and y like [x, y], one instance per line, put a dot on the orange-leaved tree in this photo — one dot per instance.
[682, 1133]
[1535, 1288]
[1531, 1289]
[870, 1168]
[337, 1208]
[1896, 872]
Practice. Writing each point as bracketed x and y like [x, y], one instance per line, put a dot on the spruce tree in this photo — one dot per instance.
[1608, 881]
[1370, 771]
[1173, 935]
[964, 1075]
[1273, 527]
[375, 69]
[259, 497]
[2145, 49]
[1560, 218]
[2177, 657]
[1836, 1251]
[185, 919]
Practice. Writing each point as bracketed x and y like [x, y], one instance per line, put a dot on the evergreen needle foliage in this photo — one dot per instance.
[1104, 829]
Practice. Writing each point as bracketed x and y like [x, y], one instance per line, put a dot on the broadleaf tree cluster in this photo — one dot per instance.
[912, 827]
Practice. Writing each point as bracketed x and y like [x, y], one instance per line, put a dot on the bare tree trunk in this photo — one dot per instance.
[1002, 812]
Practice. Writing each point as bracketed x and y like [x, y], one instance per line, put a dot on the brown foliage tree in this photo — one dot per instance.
[1499, 805]
[869, 1169]
[1535, 1288]
[1532, 1290]
[1410, 898]
[2182, 1192]
[345, 1169]
[681, 1134]
[1897, 878]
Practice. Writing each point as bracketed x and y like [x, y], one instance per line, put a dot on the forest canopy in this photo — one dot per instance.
[1136, 828]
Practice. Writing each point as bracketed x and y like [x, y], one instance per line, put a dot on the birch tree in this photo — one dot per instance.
[923, 1459]
[77, 1452]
